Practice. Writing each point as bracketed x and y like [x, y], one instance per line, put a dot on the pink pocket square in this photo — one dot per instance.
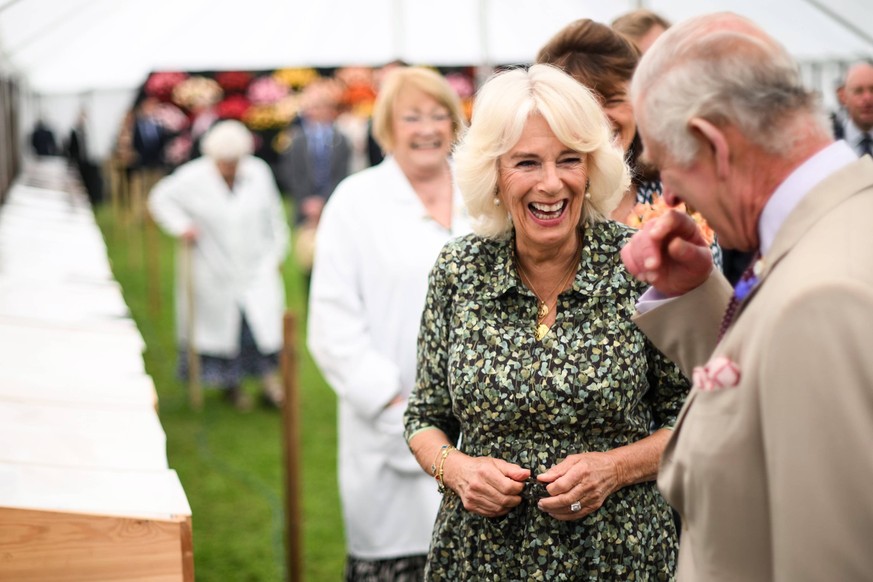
[717, 374]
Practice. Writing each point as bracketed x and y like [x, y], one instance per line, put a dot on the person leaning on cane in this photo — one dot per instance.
[227, 207]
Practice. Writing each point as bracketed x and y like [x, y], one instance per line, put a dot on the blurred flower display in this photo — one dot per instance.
[233, 107]
[267, 102]
[467, 107]
[462, 84]
[266, 90]
[355, 75]
[197, 92]
[178, 150]
[643, 213]
[288, 106]
[171, 117]
[234, 81]
[355, 95]
[296, 78]
[161, 85]
[262, 117]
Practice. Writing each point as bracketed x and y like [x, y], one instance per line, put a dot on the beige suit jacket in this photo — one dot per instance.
[772, 471]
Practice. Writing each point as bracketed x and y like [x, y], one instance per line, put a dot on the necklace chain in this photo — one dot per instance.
[542, 329]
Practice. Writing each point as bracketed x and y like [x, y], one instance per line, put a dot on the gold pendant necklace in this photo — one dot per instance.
[541, 329]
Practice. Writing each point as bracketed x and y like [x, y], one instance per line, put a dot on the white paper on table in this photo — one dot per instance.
[96, 388]
[136, 494]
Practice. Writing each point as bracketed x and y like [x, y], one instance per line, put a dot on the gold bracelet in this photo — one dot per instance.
[441, 484]
[433, 466]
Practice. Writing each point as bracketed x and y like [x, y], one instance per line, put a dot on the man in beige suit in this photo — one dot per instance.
[771, 460]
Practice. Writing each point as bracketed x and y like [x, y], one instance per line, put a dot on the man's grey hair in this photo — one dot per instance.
[722, 68]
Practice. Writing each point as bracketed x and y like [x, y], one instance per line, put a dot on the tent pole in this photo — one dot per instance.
[9, 4]
[397, 31]
[486, 66]
[857, 31]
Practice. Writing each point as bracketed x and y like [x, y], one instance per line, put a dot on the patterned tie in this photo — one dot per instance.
[866, 145]
[744, 286]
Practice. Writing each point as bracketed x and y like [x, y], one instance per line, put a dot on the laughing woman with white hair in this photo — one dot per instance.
[539, 407]
[227, 207]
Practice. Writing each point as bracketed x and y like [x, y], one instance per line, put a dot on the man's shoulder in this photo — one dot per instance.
[295, 141]
[835, 247]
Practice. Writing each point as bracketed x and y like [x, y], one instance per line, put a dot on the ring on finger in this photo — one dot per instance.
[576, 506]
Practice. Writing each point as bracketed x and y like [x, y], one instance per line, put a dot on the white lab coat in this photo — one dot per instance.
[374, 250]
[242, 241]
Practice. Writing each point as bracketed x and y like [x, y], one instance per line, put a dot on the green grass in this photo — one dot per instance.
[230, 463]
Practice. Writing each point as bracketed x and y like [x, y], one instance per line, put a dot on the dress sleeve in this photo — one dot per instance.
[339, 335]
[669, 388]
[430, 404]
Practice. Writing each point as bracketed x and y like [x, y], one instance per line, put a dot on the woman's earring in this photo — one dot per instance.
[496, 200]
[588, 195]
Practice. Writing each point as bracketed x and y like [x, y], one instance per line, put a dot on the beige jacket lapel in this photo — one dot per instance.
[824, 197]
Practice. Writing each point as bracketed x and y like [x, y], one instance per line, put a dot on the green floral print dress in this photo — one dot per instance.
[593, 383]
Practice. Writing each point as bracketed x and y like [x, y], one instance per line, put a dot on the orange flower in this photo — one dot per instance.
[643, 213]
[296, 77]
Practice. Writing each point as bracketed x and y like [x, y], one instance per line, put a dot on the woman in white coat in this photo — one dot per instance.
[226, 206]
[379, 235]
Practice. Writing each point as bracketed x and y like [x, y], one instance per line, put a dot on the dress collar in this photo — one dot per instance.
[597, 262]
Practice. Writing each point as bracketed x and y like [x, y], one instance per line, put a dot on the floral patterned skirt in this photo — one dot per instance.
[405, 569]
[224, 373]
[632, 537]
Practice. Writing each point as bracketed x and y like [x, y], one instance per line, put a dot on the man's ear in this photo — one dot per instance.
[713, 138]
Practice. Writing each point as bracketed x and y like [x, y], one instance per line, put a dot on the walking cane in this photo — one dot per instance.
[195, 393]
[153, 264]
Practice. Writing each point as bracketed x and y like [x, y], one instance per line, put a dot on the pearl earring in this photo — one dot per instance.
[496, 201]
[588, 195]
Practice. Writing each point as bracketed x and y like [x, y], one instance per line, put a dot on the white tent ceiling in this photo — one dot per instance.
[88, 49]
[66, 46]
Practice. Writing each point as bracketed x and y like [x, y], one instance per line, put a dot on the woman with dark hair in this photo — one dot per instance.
[642, 26]
[604, 61]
